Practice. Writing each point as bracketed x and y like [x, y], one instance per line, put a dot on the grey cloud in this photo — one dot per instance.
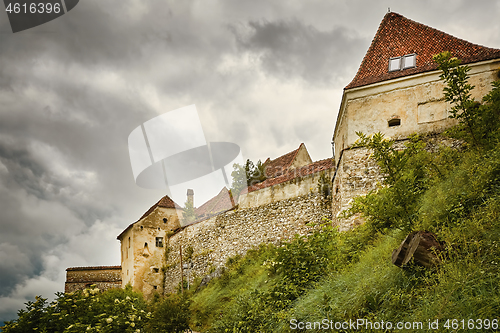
[291, 48]
[14, 266]
[71, 91]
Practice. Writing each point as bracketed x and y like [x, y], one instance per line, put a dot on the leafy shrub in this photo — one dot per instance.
[170, 314]
[116, 310]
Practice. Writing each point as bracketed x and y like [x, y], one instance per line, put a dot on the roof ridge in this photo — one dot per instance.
[286, 159]
[295, 154]
[305, 170]
[398, 36]
[216, 199]
[92, 268]
[150, 210]
[372, 45]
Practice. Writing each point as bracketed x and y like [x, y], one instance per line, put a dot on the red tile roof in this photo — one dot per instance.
[291, 174]
[92, 268]
[164, 202]
[280, 165]
[220, 203]
[398, 36]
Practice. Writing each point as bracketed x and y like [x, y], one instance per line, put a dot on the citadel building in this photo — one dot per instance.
[396, 91]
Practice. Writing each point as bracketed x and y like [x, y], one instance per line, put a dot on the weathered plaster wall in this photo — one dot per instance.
[142, 257]
[302, 185]
[417, 100]
[234, 232]
[302, 158]
[79, 278]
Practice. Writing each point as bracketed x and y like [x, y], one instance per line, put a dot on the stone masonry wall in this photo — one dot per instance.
[79, 278]
[358, 174]
[235, 232]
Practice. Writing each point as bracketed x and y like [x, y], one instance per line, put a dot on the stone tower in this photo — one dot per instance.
[397, 91]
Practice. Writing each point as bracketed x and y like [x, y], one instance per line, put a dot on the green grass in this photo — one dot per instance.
[342, 276]
[241, 277]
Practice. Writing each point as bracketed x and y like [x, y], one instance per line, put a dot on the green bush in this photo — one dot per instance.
[90, 310]
[170, 314]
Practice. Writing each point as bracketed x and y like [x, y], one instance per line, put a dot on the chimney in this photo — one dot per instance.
[190, 196]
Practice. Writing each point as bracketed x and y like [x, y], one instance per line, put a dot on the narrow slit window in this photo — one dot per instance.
[394, 122]
[159, 241]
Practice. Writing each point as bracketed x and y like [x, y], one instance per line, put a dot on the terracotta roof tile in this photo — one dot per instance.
[164, 202]
[220, 203]
[398, 36]
[291, 174]
[280, 165]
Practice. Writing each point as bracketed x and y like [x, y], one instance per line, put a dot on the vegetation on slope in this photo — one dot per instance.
[331, 278]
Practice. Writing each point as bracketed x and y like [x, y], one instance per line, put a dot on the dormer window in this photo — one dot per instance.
[395, 64]
[404, 62]
[409, 61]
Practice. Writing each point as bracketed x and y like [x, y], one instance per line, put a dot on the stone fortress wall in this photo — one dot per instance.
[235, 232]
[104, 277]
[417, 101]
[358, 174]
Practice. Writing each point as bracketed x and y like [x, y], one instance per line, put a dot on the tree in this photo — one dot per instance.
[405, 180]
[189, 214]
[247, 175]
[478, 123]
[89, 310]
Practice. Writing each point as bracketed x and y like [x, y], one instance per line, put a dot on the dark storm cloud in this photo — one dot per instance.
[291, 48]
[72, 90]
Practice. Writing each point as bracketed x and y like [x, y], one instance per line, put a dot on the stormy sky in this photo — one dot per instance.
[266, 75]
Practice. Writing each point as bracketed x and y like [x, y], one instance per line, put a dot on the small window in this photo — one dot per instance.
[409, 61]
[404, 62]
[394, 122]
[145, 244]
[159, 241]
[155, 287]
[394, 64]
[141, 227]
[156, 269]
[165, 220]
